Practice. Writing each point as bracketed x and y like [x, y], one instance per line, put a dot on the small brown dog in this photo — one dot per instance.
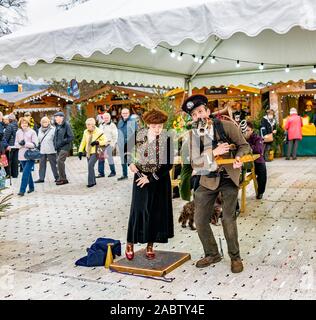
[187, 213]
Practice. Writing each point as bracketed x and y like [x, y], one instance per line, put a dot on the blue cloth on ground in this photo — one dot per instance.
[96, 254]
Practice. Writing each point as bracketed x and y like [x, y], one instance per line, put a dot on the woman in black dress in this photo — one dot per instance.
[151, 216]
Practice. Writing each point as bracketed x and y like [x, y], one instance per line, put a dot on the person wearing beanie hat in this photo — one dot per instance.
[222, 179]
[293, 126]
[151, 214]
[59, 114]
[63, 138]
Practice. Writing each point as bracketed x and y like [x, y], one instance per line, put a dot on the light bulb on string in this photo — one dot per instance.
[201, 59]
[287, 69]
[213, 59]
[238, 64]
[314, 69]
[261, 66]
[180, 56]
[153, 50]
[172, 53]
[195, 58]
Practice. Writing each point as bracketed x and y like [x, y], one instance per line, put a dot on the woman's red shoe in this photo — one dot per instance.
[150, 254]
[129, 252]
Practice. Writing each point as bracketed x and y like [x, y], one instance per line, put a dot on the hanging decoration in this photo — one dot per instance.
[48, 93]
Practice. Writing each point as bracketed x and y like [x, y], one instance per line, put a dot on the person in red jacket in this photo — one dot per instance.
[293, 127]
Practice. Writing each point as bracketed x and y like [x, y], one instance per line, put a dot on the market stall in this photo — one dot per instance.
[135, 43]
[38, 103]
[302, 96]
[113, 99]
[248, 97]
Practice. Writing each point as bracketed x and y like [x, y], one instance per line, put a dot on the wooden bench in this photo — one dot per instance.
[247, 177]
[175, 182]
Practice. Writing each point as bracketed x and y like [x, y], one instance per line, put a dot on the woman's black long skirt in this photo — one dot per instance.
[151, 216]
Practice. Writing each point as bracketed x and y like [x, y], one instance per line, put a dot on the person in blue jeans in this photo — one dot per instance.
[26, 139]
[126, 129]
[110, 131]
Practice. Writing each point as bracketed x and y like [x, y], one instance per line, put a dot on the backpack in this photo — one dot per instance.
[96, 254]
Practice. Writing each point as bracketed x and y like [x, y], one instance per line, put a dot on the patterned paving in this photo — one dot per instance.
[44, 233]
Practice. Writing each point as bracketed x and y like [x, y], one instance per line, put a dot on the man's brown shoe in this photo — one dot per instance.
[61, 182]
[237, 266]
[208, 260]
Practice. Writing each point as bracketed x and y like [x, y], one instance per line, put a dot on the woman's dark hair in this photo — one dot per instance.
[250, 124]
[101, 108]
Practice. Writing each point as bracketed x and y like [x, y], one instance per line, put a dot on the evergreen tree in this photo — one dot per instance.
[78, 124]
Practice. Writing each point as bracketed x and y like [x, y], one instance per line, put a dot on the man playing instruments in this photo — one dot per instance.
[219, 178]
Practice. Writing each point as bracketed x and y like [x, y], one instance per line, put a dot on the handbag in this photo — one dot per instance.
[100, 150]
[32, 154]
[268, 138]
[4, 161]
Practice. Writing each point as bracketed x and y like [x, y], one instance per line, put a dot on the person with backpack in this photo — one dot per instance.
[46, 135]
[216, 139]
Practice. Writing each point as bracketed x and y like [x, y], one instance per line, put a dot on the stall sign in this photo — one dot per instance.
[310, 85]
[215, 91]
[121, 97]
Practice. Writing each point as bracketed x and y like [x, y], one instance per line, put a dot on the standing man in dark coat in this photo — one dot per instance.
[9, 135]
[268, 126]
[62, 142]
[216, 179]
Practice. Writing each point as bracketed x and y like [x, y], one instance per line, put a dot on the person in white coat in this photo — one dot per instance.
[110, 131]
[48, 152]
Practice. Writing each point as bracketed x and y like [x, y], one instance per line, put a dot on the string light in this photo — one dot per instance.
[172, 53]
[180, 56]
[213, 59]
[195, 58]
[153, 50]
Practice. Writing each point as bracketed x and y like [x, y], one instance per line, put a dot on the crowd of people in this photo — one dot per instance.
[54, 142]
[151, 215]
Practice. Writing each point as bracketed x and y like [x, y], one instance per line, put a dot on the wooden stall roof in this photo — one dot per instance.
[108, 87]
[284, 84]
[19, 98]
[242, 88]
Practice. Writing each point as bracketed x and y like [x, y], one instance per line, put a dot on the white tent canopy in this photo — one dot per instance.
[109, 41]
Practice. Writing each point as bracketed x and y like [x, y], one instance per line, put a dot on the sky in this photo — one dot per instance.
[38, 9]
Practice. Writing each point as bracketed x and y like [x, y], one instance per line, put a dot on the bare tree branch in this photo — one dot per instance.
[71, 3]
[12, 14]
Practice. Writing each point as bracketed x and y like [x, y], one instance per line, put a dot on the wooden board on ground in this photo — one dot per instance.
[164, 262]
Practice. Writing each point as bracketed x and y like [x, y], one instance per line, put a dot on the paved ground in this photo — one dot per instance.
[44, 233]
